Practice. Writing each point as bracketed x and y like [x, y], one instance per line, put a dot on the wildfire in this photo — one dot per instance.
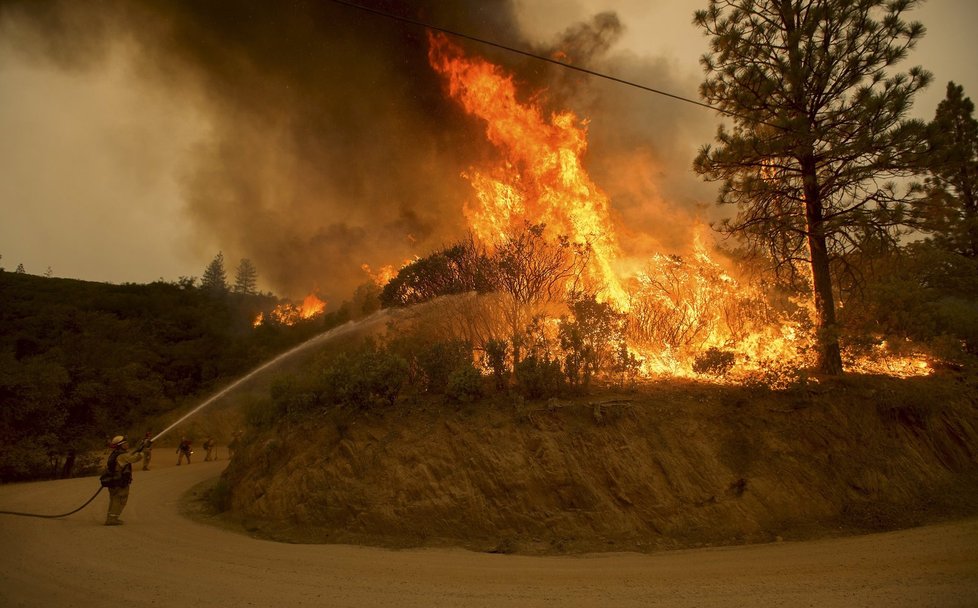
[290, 314]
[683, 311]
[384, 274]
[687, 315]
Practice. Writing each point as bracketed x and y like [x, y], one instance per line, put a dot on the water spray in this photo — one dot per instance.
[323, 337]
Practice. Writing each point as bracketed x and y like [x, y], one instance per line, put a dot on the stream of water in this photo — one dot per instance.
[314, 341]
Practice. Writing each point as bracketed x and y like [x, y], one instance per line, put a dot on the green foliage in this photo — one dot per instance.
[539, 377]
[436, 361]
[496, 351]
[464, 384]
[950, 210]
[925, 294]
[589, 338]
[625, 367]
[714, 362]
[80, 361]
[365, 378]
[215, 279]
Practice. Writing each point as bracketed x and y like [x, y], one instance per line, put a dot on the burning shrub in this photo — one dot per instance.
[714, 362]
[626, 367]
[458, 269]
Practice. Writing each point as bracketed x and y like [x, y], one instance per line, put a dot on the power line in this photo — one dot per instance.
[531, 55]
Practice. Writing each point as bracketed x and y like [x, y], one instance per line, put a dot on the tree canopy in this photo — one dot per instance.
[950, 210]
[819, 131]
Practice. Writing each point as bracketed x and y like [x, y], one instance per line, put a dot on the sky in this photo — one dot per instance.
[141, 140]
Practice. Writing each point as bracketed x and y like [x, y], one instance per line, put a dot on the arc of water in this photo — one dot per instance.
[323, 337]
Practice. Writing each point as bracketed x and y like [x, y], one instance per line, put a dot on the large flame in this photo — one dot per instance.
[540, 178]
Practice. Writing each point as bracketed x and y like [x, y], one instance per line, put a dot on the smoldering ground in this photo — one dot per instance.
[330, 142]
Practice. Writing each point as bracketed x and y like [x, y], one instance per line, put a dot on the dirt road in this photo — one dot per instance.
[159, 558]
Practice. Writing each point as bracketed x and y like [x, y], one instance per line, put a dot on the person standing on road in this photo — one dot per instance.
[184, 451]
[209, 448]
[118, 476]
[147, 450]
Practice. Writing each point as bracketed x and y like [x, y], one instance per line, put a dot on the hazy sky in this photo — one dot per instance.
[136, 145]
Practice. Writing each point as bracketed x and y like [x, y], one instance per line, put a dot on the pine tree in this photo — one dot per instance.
[246, 278]
[950, 210]
[819, 131]
[215, 277]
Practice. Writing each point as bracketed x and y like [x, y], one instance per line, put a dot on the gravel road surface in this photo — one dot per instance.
[160, 558]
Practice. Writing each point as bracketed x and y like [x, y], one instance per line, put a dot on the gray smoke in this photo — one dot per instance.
[334, 144]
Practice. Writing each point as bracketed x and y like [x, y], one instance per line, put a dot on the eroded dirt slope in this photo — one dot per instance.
[666, 466]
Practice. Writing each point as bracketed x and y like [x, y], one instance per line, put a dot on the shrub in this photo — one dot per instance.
[369, 377]
[538, 378]
[714, 362]
[438, 360]
[465, 384]
[496, 361]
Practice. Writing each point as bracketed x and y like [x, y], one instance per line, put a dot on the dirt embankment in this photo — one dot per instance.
[670, 465]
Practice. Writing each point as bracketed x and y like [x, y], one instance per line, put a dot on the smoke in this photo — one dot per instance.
[331, 143]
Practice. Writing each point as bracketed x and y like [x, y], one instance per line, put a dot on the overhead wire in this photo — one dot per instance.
[551, 60]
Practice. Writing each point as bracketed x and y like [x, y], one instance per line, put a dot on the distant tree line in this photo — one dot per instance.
[80, 361]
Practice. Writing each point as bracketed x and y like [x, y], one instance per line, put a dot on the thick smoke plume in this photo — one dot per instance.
[332, 143]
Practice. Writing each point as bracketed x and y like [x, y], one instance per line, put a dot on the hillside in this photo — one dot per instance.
[670, 465]
[81, 361]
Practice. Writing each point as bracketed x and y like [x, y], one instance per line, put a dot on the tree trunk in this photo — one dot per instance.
[829, 355]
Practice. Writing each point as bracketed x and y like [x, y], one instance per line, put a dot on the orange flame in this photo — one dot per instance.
[290, 314]
[541, 178]
[680, 308]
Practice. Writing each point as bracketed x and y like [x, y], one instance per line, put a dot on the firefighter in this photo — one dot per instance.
[118, 476]
[147, 450]
[184, 451]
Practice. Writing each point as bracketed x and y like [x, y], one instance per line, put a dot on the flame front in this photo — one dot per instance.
[540, 178]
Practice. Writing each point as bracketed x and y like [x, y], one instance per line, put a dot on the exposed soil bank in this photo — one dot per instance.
[670, 465]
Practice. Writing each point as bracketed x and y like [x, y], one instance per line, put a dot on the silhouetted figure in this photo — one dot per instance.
[184, 451]
[209, 450]
[147, 450]
[69, 464]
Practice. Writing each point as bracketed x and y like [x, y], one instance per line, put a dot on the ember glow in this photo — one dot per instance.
[688, 316]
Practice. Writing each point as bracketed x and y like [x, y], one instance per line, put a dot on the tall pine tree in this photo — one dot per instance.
[818, 130]
[950, 210]
[246, 278]
[215, 277]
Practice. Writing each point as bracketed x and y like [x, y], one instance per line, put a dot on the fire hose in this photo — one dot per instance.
[54, 516]
[22, 514]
